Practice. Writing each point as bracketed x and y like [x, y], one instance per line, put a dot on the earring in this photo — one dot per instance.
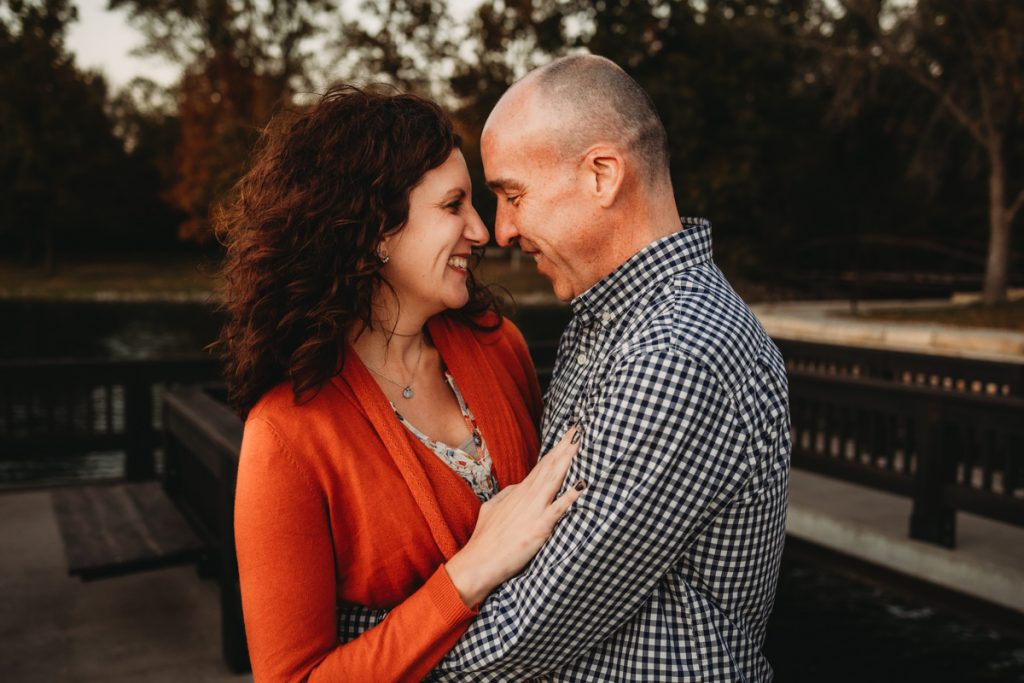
[382, 258]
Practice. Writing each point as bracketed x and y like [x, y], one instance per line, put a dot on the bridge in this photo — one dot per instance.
[909, 462]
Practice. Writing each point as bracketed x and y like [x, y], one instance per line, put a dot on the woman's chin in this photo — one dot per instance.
[456, 302]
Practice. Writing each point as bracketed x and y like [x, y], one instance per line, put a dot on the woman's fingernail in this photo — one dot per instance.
[580, 485]
[576, 437]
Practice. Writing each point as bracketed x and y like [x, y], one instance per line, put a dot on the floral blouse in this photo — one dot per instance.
[470, 459]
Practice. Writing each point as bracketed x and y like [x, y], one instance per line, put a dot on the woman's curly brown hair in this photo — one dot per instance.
[302, 227]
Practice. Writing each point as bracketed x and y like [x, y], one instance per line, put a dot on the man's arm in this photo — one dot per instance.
[662, 453]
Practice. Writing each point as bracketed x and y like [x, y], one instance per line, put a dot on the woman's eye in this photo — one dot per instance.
[455, 206]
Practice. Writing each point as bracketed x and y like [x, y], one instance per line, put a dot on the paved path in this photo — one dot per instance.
[828, 322]
[153, 626]
[871, 525]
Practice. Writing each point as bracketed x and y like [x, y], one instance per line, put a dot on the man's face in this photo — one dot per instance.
[542, 204]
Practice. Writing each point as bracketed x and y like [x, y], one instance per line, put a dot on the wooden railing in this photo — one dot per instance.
[72, 406]
[946, 432]
[923, 369]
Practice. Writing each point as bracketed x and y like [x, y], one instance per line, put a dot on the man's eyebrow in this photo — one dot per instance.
[504, 184]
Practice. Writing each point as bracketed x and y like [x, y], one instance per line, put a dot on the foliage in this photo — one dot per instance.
[65, 179]
[963, 62]
[241, 59]
[409, 43]
[821, 137]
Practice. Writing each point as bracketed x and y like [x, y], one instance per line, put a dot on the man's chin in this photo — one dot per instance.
[562, 292]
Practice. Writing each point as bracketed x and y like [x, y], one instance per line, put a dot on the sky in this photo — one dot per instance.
[103, 41]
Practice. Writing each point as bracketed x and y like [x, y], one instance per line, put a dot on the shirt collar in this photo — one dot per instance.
[659, 260]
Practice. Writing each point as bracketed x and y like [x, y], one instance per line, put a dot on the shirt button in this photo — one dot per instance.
[607, 317]
[582, 359]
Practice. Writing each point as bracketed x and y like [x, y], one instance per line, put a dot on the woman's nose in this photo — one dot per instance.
[476, 231]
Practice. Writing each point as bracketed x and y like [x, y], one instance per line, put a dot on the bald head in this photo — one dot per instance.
[585, 100]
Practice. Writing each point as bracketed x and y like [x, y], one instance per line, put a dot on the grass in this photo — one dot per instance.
[190, 277]
[145, 277]
[1005, 316]
[193, 277]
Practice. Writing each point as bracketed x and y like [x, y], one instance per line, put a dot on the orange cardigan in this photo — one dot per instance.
[338, 503]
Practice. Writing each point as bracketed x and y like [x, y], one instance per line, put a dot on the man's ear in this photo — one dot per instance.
[605, 168]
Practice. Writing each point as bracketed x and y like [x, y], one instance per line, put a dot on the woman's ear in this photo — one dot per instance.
[385, 244]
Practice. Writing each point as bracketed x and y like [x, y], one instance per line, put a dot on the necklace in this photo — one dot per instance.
[407, 391]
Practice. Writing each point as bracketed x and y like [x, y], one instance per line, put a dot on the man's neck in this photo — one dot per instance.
[652, 216]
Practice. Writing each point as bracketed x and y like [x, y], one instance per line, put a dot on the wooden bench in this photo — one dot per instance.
[202, 438]
[116, 528]
[120, 528]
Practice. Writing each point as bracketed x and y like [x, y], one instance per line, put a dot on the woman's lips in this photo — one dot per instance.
[459, 263]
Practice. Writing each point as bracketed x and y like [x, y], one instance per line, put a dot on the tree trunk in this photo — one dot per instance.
[999, 233]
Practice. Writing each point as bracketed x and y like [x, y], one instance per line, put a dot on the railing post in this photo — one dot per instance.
[139, 433]
[932, 518]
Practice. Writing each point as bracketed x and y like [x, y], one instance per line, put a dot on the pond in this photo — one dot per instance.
[833, 624]
[55, 329]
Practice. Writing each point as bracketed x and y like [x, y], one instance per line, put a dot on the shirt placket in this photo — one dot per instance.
[579, 359]
[561, 400]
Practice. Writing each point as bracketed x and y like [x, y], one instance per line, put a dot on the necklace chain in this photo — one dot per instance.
[407, 391]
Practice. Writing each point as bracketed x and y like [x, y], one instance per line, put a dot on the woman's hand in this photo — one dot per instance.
[514, 524]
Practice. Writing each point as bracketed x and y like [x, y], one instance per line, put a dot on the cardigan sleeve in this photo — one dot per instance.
[286, 566]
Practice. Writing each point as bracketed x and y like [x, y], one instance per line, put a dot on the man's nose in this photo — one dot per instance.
[505, 231]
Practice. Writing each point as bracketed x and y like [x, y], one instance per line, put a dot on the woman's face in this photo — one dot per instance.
[429, 256]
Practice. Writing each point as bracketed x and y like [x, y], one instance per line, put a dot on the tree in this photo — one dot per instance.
[968, 57]
[411, 44]
[418, 47]
[241, 59]
[60, 164]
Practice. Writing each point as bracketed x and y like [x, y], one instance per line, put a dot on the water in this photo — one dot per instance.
[92, 330]
[829, 626]
[54, 329]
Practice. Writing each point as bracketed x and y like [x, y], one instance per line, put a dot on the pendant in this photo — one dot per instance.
[407, 392]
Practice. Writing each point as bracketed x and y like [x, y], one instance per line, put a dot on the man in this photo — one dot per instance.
[666, 567]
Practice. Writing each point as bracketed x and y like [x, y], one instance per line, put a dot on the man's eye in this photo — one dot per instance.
[513, 199]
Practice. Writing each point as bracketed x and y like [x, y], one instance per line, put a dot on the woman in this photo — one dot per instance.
[385, 399]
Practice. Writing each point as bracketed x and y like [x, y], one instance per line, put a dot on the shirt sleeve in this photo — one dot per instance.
[286, 566]
[662, 452]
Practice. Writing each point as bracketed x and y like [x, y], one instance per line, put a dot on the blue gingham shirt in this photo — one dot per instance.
[665, 569]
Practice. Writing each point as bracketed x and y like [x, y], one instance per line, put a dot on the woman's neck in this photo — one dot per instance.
[394, 341]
